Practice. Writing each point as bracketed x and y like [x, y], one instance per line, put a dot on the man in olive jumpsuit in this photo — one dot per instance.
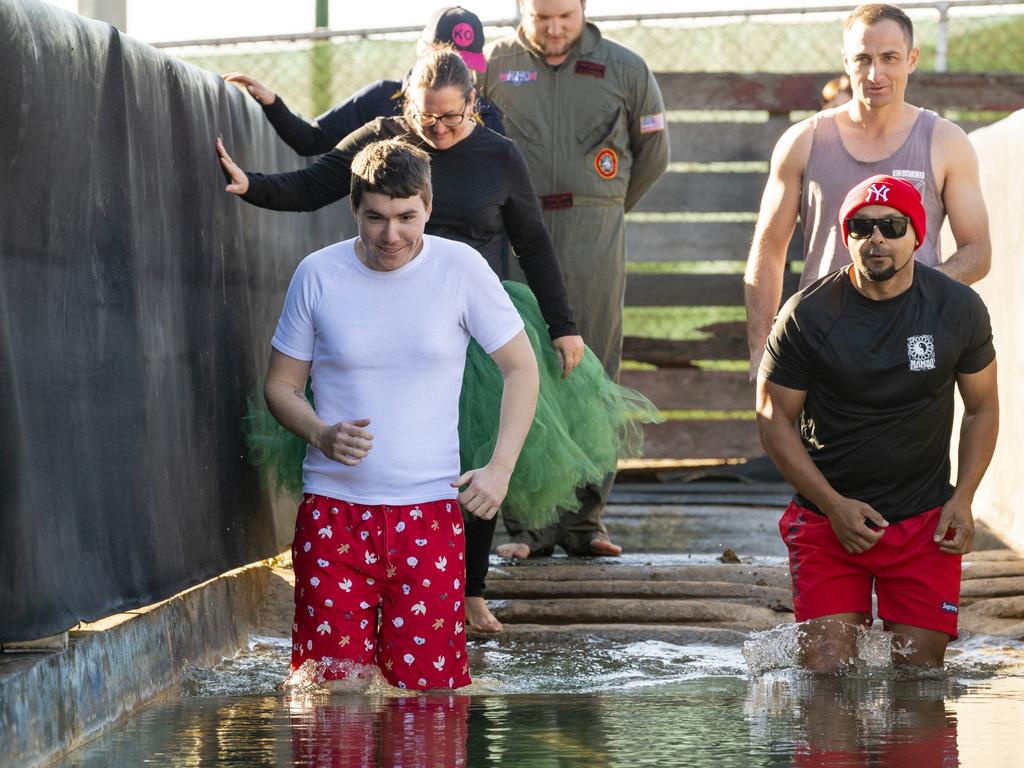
[589, 118]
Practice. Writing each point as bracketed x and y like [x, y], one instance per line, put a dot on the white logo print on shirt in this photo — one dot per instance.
[921, 352]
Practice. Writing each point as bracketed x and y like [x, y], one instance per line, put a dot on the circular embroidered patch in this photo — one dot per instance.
[607, 163]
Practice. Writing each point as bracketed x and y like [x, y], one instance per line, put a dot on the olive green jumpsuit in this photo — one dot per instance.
[592, 130]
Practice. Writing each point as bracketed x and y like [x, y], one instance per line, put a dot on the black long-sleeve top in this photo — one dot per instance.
[482, 190]
[380, 99]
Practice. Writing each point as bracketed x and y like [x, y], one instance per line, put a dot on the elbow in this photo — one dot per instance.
[984, 261]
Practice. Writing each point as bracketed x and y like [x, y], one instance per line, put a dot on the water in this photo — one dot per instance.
[596, 703]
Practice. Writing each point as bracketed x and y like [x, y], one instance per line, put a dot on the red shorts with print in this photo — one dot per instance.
[408, 561]
[916, 583]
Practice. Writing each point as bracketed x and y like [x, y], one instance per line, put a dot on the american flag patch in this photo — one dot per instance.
[652, 123]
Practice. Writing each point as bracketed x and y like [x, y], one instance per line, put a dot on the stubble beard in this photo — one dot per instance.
[546, 49]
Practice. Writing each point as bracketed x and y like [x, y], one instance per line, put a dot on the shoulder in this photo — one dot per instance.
[627, 60]
[452, 254]
[315, 272]
[489, 145]
[381, 89]
[947, 135]
[458, 264]
[794, 146]
[819, 301]
[328, 257]
[950, 144]
[942, 291]
[504, 48]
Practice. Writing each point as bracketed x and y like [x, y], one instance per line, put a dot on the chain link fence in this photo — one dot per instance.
[315, 71]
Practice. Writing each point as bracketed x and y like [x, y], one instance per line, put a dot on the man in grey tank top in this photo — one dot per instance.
[819, 159]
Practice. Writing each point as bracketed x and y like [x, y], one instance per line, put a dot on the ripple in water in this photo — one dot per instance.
[779, 648]
[969, 657]
[506, 666]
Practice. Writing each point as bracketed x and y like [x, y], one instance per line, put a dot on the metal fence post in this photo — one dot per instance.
[321, 95]
[942, 37]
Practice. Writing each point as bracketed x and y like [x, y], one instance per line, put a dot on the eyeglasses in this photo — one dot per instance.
[449, 121]
[890, 228]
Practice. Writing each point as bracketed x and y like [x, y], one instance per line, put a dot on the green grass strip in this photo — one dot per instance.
[699, 415]
[636, 365]
[723, 366]
[709, 267]
[677, 323]
[700, 217]
[738, 166]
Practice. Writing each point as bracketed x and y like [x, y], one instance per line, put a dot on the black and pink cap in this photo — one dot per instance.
[461, 28]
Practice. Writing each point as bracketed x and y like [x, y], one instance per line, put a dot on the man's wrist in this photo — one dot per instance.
[963, 495]
[501, 466]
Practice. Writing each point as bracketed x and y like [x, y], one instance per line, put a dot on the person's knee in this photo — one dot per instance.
[829, 644]
[917, 647]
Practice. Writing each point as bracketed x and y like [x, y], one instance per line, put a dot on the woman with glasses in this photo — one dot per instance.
[482, 192]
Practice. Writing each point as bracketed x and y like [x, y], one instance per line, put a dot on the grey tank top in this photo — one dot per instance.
[832, 171]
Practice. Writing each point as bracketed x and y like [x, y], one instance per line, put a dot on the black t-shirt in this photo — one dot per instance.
[879, 377]
[482, 190]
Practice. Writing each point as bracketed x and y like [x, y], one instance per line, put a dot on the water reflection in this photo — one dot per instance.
[847, 721]
[591, 704]
[354, 730]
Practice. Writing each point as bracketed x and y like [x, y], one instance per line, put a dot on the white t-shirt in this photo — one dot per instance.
[391, 347]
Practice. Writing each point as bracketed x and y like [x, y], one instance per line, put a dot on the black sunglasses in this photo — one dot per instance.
[890, 228]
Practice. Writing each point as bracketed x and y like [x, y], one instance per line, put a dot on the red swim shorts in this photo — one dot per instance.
[409, 561]
[916, 583]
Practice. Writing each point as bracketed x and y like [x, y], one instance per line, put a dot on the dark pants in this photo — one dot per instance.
[479, 535]
[575, 530]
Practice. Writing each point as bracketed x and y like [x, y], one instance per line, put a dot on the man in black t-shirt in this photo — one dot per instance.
[855, 407]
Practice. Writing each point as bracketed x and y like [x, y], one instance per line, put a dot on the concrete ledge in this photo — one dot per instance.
[51, 703]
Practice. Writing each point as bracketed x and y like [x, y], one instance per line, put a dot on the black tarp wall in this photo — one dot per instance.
[137, 301]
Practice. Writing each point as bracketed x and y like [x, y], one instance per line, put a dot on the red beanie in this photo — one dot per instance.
[885, 190]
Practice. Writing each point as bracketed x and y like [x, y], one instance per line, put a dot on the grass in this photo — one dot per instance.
[677, 323]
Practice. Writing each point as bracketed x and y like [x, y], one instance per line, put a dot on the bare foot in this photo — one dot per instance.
[512, 551]
[479, 616]
[604, 548]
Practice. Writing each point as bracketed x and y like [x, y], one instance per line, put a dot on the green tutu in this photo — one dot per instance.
[582, 426]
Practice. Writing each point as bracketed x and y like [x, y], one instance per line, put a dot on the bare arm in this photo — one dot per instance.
[778, 408]
[978, 432]
[346, 442]
[964, 204]
[488, 485]
[776, 220]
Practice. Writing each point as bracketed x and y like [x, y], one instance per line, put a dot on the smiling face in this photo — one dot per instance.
[390, 230]
[438, 103]
[553, 26]
[878, 60]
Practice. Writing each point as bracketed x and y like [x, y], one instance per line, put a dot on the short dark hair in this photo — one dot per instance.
[870, 14]
[392, 167]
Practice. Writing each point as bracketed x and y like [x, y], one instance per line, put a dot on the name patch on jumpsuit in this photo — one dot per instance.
[592, 68]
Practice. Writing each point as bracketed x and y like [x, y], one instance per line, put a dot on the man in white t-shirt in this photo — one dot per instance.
[381, 323]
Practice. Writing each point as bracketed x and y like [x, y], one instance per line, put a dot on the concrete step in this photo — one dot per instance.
[559, 570]
[773, 598]
[727, 615]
